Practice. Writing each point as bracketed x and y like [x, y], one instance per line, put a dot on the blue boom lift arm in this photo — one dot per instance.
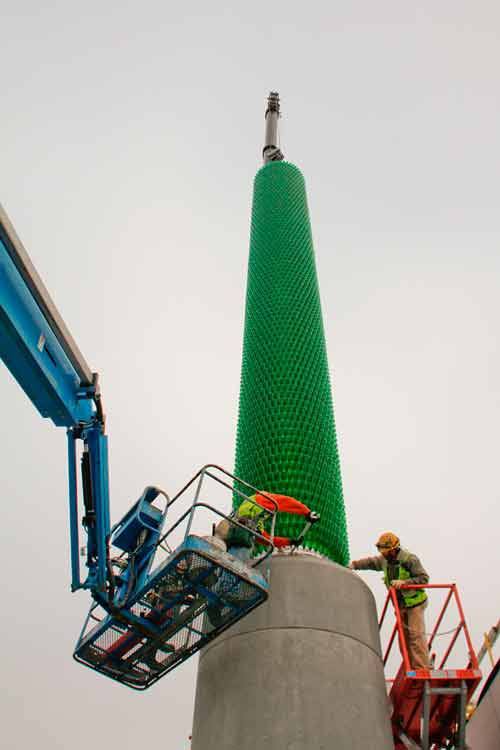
[42, 356]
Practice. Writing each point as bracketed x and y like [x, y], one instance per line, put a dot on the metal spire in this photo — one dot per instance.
[271, 150]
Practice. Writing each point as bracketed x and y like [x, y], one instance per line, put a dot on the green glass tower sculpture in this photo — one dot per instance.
[286, 439]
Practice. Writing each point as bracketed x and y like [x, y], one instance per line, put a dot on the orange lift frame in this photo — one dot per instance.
[429, 705]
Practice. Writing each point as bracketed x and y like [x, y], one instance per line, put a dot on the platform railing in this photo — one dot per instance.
[209, 471]
[399, 628]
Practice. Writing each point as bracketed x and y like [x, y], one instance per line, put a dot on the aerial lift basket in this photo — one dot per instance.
[143, 631]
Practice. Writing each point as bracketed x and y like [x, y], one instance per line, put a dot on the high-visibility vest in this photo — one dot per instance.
[252, 512]
[411, 597]
[249, 514]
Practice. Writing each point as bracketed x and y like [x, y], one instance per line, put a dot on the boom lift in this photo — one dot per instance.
[153, 605]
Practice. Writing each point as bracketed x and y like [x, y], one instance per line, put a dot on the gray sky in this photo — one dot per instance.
[130, 137]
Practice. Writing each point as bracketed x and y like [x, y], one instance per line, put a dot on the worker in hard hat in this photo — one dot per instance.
[401, 567]
[252, 514]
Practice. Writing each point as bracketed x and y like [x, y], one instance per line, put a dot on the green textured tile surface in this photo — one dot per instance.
[286, 439]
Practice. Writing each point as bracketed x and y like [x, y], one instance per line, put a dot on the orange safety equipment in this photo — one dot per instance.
[251, 513]
[388, 540]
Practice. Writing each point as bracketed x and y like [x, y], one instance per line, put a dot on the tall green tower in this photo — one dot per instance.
[305, 669]
[286, 439]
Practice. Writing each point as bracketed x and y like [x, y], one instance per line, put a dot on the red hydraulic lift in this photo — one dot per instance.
[429, 705]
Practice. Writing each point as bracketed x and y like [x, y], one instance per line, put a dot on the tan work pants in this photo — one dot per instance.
[416, 639]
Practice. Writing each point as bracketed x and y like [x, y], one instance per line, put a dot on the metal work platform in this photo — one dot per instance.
[156, 620]
[195, 595]
[428, 706]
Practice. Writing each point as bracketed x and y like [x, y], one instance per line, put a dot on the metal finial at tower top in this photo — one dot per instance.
[271, 150]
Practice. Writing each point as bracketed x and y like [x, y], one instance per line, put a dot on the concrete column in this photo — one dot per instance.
[301, 672]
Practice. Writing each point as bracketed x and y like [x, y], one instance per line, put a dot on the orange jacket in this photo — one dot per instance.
[285, 504]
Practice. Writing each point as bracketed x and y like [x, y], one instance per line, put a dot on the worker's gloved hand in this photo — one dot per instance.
[397, 583]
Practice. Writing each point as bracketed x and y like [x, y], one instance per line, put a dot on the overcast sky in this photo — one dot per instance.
[131, 133]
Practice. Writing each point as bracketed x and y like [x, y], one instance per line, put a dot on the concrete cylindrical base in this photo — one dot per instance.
[301, 672]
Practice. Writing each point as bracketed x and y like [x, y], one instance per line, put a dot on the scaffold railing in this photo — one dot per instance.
[429, 705]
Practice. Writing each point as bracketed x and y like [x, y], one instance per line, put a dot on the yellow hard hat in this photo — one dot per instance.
[388, 540]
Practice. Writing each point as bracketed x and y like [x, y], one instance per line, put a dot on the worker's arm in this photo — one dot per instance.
[285, 504]
[418, 574]
[367, 563]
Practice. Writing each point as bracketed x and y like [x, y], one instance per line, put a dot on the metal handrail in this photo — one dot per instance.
[204, 469]
[205, 472]
[242, 494]
[233, 521]
[391, 641]
[440, 618]
[468, 675]
[462, 626]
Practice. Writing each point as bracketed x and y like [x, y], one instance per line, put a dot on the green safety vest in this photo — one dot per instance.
[251, 514]
[411, 597]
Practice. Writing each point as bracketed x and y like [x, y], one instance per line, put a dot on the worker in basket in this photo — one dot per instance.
[241, 542]
[252, 514]
[401, 567]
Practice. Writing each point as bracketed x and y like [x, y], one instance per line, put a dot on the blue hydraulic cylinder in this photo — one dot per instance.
[96, 520]
[97, 516]
[73, 512]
